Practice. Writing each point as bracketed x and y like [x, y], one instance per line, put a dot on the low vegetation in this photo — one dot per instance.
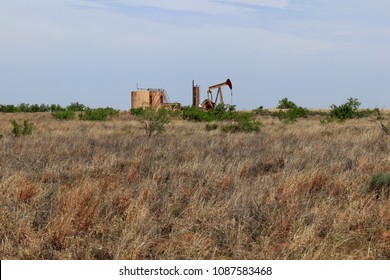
[76, 107]
[98, 114]
[17, 129]
[286, 104]
[27, 108]
[349, 110]
[232, 121]
[61, 113]
[154, 121]
[292, 114]
[379, 119]
[380, 184]
[288, 111]
[64, 115]
[105, 190]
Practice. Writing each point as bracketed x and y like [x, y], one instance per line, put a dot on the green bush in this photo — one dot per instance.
[137, 111]
[286, 104]
[291, 115]
[262, 112]
[366, 113]
[239, 121]
[242, 122]
[348, 110]
[196, 114]
[23, 107]
[247, 126]
[98, 114]
[210, 127]
[154, 121]
[27, 128]
[231, 128]
[27, 108]
[17, 131]
[56, 108]
[250, 126]
[36, 108]
[379, 184]
[220, 113]
[64, 115]
[229, 108]
[8, 109]
[75, 106]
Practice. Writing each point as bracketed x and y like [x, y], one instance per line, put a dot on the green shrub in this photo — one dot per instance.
[210, 127]
[154, 121]
[56, 108]
[64, 115]
[220, 113]
[196, 114]
[27, 108]
[27, 128]
[286, 104]
[348, 110]
[230, 108]
[23, 107]
[251, 126]
[137, 111]
[242, 122]
[36, 108]
[8, 109]
[239, 121]
[262, 112]
[98, 114]
[199, 115]
[17, 131]
[291, 115]
[231, 128]
[379, 184]
[75, 106]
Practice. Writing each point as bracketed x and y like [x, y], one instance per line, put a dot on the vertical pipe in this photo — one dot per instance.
[197, 96]
[193, 94]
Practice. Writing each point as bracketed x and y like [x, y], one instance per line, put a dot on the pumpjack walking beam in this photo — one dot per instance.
[219, 92]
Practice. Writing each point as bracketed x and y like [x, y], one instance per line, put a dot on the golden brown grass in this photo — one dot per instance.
[103, 190]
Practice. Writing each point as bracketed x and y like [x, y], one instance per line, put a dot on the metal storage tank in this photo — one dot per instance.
[147, 98]
[195, 95]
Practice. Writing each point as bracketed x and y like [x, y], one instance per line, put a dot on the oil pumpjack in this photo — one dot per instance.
[208, 103]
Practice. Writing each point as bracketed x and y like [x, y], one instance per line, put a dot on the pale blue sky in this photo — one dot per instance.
[315, 52]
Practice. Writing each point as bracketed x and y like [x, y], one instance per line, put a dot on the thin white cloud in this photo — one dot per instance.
[88, 4]
[279, 4]
[203, 6]
[200, 6]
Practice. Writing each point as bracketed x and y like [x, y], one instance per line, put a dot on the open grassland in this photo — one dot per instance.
[103, 190]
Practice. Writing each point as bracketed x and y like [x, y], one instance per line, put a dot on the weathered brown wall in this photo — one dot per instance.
[146, 99]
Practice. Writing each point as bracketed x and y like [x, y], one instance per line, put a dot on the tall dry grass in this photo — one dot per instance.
[103, 190]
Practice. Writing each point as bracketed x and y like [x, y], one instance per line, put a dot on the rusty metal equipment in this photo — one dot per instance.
[151, 98]
[147, 98]
[195, 94]
[208, 103]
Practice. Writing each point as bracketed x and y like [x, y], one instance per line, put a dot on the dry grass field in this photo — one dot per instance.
[103, 190]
